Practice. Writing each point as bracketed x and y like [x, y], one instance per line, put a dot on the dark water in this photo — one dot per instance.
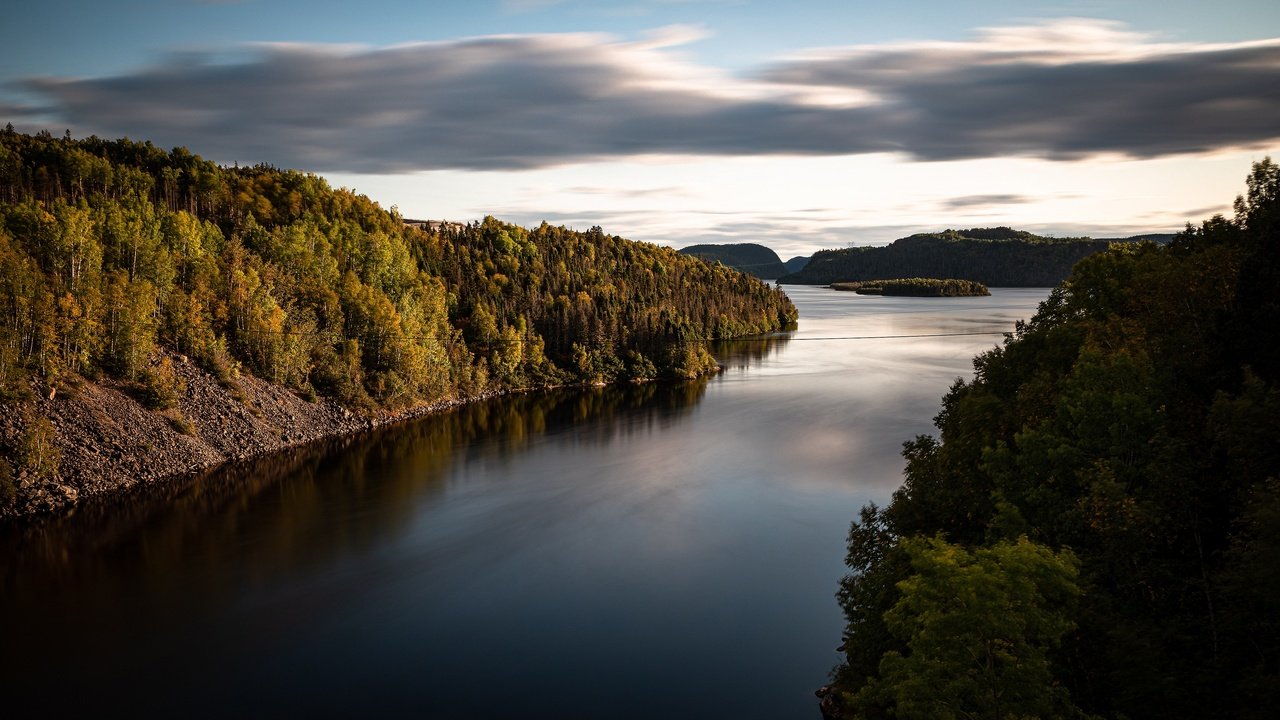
[653, 552]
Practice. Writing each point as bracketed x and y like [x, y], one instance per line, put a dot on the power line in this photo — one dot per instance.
[877, 337]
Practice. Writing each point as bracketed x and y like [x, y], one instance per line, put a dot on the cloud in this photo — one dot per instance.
[1062, 90]
[983, 201]
[1207, 212]
[629, 193]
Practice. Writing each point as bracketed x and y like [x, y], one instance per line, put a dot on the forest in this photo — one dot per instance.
[117, 258]
[998, 257]
[1095, 532]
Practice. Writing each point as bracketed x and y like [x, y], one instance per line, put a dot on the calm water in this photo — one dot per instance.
[662, 551]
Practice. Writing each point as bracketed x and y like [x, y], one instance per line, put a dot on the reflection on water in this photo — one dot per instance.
[742, 355]
[385, 473]
[650, 551]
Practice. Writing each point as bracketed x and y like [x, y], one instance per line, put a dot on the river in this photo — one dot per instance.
[664, 551]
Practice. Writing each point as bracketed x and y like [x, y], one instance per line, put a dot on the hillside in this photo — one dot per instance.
[796, 264]
[750, 258]
[121, 264]
[1095, 531]
[999, 257]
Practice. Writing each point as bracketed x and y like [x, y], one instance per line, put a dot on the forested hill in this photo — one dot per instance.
[115, 255]
[796, 264]
[750, 258]
[1096, 531]
[999, 257]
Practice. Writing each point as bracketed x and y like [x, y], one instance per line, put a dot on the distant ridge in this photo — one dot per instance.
[796, 264]
[750, 258]
[1000, 257]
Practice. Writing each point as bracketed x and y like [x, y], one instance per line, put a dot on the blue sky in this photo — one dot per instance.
[801, 125]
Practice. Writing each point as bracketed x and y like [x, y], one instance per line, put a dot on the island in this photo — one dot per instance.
[915, 287]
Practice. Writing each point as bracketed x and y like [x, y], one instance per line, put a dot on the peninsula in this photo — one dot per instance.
[160, 313]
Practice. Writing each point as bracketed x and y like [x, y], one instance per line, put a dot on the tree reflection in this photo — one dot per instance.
[191, 548]
[743, 354]
[305, 506]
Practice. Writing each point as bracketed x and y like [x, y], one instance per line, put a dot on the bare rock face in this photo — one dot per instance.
[110, 442]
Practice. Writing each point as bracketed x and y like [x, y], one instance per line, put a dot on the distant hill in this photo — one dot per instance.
[1000, 257]
[796, 264]
[750, 258]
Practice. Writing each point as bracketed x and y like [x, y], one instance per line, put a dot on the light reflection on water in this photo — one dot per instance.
[653, 551]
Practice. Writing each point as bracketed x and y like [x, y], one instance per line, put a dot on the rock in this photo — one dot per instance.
[828, 702]
[108, 441]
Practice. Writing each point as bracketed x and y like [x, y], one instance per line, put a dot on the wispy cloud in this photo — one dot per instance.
[1207, 211]
[984, 201]
[629, 193]
[1063, 90]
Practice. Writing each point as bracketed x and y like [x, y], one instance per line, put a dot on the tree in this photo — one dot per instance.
[38, 452]
[978, 626]
[112, 250]
[1132, 420]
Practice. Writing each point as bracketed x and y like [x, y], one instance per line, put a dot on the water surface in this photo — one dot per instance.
[660, 551]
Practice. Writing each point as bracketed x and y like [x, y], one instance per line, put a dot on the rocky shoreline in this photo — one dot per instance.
[110, 443]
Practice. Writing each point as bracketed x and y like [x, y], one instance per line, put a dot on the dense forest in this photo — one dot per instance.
[749, 258]
[998, 257]
[915, 287]
[118, 257]
[1097, 530]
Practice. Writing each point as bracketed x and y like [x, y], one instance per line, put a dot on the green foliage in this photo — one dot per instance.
[179, 422]
[38, 452]
[1136, 421]
[8, 488]
[1251, 587]
[977, 627]
[114, 252]
[161, 386]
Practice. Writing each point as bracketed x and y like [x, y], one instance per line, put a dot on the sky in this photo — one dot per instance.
[802, 125]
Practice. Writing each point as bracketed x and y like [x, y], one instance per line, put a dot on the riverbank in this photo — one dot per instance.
[110, 443]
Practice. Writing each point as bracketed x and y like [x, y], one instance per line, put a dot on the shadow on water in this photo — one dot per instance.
[174, 579]
[109, 585]
[385, 473]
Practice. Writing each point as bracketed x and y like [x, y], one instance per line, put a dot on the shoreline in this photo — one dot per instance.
[111, 445]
